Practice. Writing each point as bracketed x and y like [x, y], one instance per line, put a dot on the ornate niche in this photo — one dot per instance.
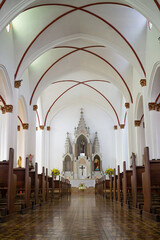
[84, 161]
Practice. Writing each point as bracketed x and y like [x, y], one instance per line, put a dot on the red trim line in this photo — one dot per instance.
[20, 120]
[3, 101]
[82, 49]
[78, 83]
[157, 3]
[125, 118]
[76, 49]
[157, 98]
[37, 114]
[84, 10]
[142, 117]
[1, 4]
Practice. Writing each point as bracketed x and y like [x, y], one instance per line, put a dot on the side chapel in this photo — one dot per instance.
[82, 159]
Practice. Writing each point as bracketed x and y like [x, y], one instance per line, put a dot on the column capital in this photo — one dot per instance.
[35, 107]
[3, 109]
[48, 128]
[143, 82]
[41, 127]
[151, 106]
[36, 128]
[17, 83]
[158, 107]
[25, 126]
[9, 108]
[127, 105]
[137, 123]
[18, 128]
[115, 127]
[122, 126]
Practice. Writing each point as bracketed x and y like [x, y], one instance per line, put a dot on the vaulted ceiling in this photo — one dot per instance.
[72, 51]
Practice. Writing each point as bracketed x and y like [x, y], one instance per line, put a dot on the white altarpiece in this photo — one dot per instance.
[82, 159]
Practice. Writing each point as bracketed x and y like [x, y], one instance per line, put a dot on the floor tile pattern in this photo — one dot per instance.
[82, 216]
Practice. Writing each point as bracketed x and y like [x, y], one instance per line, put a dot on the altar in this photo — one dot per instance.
[82, 159]
[86, 182]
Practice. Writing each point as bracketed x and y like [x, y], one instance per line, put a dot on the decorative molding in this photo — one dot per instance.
[3, 109]
[48, 128]
[143, 82]
[25, 126]
[9, 108]
[41, 127]
[35, 107]
[17, 83]
[137, 123]
[152, 106]
[158, 107]
[127, 105]
[18, 128]
[122, 126]
[115, 127]
[36, 128]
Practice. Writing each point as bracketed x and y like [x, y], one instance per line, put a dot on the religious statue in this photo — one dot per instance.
[20, 162]
[96, 165]
[30, 161]
[82, 146]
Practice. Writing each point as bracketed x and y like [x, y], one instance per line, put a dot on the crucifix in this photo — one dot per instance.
[82, 169]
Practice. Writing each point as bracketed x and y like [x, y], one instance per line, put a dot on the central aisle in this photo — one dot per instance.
[79, 217]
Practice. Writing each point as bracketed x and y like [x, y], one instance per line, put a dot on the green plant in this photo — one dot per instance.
[109, 171]
[55, 171]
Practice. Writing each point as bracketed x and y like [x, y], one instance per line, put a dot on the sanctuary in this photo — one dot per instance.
[82, 159]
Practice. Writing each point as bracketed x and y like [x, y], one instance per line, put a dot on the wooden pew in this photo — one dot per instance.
[115, 185]
[68, 187]
[42, 186]
[107, 188]
[34, 184]
[111, 186]
[47, 185]
[100, 186]
[51, 187]
[57, 188]
[151, 187]
[119, 186]
[23, 187]
[126, 186]
[7, 185]
[136, 184]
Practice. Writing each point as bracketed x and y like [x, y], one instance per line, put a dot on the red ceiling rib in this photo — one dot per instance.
[3, 101]
[157, 3]
[82, 49]
[125, 118]
[157, 98]
[91, 13]
[1, 4]
[20, 120]
[38, 117]
[78, 83]
[76, 49]
[142, 117]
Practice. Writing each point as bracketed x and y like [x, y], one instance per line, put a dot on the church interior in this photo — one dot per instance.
[79, 119]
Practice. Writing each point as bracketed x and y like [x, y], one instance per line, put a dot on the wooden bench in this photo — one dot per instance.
[100, 186]
[7, 185]
[115, 177]
[136, 184]
[51, 187]
[126, 186]
[119, 186]
[23, 187]
[34, 185]
[151, 187]
[42, 186]
[57, 188]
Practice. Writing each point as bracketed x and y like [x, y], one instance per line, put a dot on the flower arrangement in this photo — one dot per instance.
[82, 186]
[55, 172]
[109, 171]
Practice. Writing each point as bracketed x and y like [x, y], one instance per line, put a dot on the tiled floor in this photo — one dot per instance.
[80, 217]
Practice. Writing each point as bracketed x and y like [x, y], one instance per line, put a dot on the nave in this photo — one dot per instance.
[81, 216]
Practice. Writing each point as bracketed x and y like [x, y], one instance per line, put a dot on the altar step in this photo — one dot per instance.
[89, 190]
